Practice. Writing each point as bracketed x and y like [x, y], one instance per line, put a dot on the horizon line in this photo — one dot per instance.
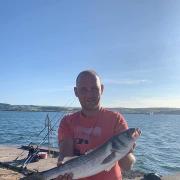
[80, 107]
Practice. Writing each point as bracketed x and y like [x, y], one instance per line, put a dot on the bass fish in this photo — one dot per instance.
[102, 158]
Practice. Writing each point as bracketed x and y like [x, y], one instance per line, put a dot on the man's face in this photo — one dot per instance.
[88, 90]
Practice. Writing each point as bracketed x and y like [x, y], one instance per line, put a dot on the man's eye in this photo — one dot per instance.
[83, 90]
[95, 89]
[92, 90]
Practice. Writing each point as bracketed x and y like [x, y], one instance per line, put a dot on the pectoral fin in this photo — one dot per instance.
[109, 158]
[109, 168]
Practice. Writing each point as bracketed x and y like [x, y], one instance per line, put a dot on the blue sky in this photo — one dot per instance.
[132, 44]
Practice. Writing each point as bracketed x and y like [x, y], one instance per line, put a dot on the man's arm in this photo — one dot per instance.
[65, 149]
[127, 162]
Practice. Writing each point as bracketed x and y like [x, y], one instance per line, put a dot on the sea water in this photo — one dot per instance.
[157, 150]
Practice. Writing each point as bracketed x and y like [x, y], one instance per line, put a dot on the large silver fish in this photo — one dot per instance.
[100, 159]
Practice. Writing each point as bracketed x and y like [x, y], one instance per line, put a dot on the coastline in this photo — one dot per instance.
[10, 153]
[124, 110]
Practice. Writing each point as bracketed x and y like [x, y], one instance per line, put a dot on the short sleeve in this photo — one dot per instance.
[65, 129]
[121, 124]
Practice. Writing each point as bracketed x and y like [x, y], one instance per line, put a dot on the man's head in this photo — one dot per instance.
[88, 90]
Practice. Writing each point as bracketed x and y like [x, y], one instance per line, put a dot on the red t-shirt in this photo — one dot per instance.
[90, 132]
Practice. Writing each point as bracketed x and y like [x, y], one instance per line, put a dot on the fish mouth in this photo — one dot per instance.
[134, 133]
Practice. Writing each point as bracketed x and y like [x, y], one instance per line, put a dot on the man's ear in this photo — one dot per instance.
[102, 88]
[75, 91]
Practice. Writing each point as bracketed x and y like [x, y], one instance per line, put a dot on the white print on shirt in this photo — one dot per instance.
[86, 133]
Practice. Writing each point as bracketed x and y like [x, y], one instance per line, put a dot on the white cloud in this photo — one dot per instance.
[145, 102]
[55, 90]
[126, 81]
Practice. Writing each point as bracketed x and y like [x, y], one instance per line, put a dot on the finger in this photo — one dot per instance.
[59, 177]
[70, 176]
[66, 177]
[59, 163]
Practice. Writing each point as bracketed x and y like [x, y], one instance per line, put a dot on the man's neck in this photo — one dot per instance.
[89, 113]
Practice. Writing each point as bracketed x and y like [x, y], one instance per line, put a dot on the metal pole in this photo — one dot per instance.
[49, 129]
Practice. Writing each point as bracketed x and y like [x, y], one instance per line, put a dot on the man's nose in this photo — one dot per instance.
[89, 93]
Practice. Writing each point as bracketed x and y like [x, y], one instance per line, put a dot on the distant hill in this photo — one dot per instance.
[34, 108]
[150, 111]
[9, 107]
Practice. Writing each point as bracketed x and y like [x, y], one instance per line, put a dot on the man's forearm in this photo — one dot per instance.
[127, 162]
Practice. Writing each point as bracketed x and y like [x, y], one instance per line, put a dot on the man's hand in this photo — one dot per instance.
[60, 161]
[128, 161]
[65, 177]
[66, 149]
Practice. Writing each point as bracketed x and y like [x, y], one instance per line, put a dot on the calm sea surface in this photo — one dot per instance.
[158, 149]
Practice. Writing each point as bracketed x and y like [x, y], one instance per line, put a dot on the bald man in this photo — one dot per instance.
[90, 127]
